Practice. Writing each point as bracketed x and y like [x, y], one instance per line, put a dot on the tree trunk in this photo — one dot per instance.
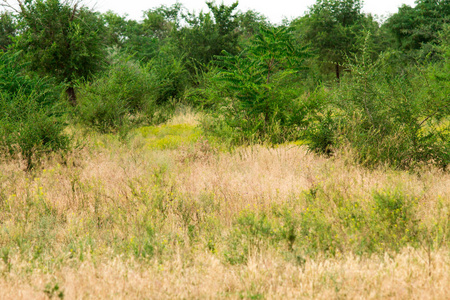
[338, 74]
[71, 96]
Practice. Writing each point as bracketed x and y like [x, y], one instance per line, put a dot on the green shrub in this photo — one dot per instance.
[251, 232]
[31, 115]
[387, 117]
[321, 133]
[120, 97]
[392, 118]
[260, 89]
[388, 222]
[168, 77]
[321, 222]
[394, 220]
[205, 92]
[104, 112]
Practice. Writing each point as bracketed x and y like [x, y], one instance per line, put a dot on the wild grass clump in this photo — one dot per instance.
[132, 209]
[321, 224]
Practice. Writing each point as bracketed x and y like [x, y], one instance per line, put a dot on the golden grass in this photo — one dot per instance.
[118, 220]
[406, 275]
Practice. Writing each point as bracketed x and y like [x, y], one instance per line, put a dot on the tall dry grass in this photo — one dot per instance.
[116, 219]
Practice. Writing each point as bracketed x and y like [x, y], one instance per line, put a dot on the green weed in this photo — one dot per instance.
[169, 136]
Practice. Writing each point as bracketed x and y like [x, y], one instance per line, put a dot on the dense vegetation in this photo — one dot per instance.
[215, 154]
[332, 78]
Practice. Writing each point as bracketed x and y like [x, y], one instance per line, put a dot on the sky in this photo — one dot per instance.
[275, 10]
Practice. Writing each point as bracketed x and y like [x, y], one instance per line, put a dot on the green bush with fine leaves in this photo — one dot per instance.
[31, 115]
[124, 95]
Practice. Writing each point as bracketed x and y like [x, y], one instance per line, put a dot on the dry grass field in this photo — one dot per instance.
[164, 214]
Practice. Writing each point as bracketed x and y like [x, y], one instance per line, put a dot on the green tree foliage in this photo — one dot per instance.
[61, 39]
[249, 23]
[31, 121]
[177, 33]
[156, 33]
[390, 118]
[160, 22]
[334, 29]
[208, 34]
[130, 36]
[260, 89]
[419, 27]
[117, 29]
[146, 38]
[8, 30]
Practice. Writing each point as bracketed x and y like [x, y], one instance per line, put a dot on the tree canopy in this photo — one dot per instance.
[416, 27]
[61, 39]
[334, 29]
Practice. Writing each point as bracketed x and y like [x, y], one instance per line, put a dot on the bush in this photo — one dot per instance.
[251, 233]
[122, 96]
[321, 133]
[168, 77]
[388, 117]
[391, 118]
[31, 116]
[205, 92]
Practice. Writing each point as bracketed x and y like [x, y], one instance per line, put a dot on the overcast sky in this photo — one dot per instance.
[275, 10]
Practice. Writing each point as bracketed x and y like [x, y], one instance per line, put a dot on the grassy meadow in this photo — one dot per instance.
[165, 214]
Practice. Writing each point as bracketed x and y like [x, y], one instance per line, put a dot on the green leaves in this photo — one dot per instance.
[8, 29]
[400, 120]
[31, 122]
[258, 86]
[415, 27]
[333, 29]
[208, 34]
[61, 40]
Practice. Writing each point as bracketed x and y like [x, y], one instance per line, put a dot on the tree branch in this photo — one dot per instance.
[74, 11]
[6, 4]
[430, 116]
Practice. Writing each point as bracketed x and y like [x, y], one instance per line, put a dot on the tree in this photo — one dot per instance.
[260, 87]
[249, 24]
[162, 21]
[129, 36]
[8, 29]
[61, 39]
[414, 28]
[146, 38]
[334, 29]
[116, 29]
[208, 34]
